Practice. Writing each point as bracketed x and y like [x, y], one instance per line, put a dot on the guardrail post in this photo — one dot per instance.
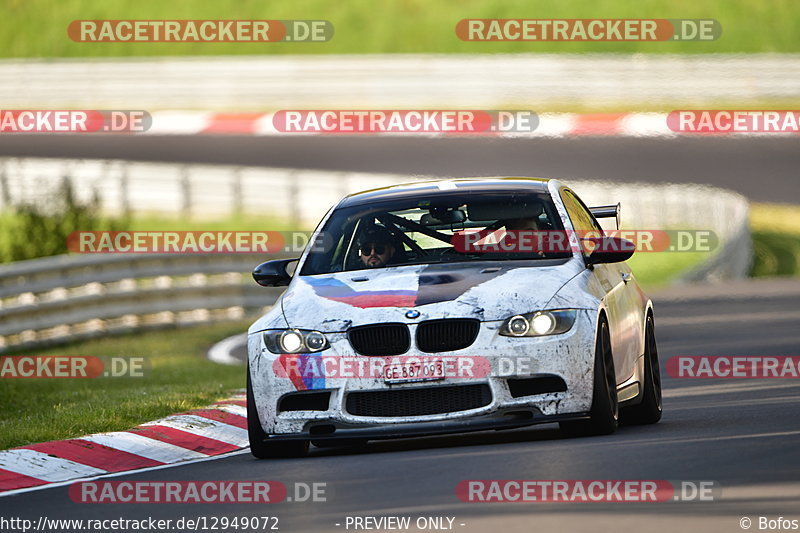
[236, 192]
[343, 188]
[294, 200]
[186, 192]
[68, 185]
[5, 193]
[124, 192]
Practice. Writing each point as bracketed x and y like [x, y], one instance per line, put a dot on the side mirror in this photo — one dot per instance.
[273, 273]
[610, 250]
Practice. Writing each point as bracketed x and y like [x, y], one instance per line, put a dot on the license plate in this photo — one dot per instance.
[413, 372]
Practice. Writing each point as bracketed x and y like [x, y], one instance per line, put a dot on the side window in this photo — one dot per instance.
[582, 220]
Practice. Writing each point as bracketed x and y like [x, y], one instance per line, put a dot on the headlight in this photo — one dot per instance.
[295, 341]
[315, 341]
[539, 324]
[290, 341]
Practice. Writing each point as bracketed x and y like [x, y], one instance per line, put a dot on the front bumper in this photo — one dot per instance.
[569, 357]
[498, 420]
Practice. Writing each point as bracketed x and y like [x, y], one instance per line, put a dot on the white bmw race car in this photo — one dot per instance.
[451, 306]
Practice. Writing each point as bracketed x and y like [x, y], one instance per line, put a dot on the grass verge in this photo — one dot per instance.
[656, 270]
[776, 240]
[178, 377]
[775, 230]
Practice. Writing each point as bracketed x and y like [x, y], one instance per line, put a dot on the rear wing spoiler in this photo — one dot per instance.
[606, 211]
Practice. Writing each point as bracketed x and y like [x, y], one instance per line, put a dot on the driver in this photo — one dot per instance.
[376, 247]
[518, 238]
[522, 224]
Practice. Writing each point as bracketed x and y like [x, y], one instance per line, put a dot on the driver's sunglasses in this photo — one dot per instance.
[366, 249]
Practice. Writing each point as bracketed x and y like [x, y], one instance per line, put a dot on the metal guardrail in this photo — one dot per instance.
[300, 198]
[682, 206]
[68, 297]
[536, 81]
[297, 197]
[74, 296]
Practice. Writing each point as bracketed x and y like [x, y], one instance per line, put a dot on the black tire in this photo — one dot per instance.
[259, 447]
[649, 410]
[604, 416]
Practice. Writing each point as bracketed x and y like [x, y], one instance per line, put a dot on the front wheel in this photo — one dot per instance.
[604, 416]
[649, 410]
[259, 446]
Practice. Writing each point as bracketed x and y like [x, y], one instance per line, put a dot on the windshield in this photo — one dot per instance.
[424, 231]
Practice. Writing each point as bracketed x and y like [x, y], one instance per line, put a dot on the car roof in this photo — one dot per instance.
[444, 187]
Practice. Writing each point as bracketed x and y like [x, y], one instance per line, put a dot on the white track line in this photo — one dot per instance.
[221, 351]
[745, 318]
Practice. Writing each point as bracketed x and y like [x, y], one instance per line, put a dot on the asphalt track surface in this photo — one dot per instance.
[741, 434]
[764, 169]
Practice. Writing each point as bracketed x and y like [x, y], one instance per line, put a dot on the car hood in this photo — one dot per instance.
[486, 291]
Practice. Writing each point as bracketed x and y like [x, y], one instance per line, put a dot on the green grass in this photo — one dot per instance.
[776, 240]
[656, 270]
[178, 377]
[38, 28]
[775, 230]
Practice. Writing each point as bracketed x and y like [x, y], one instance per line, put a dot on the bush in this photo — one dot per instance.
[41, 229]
